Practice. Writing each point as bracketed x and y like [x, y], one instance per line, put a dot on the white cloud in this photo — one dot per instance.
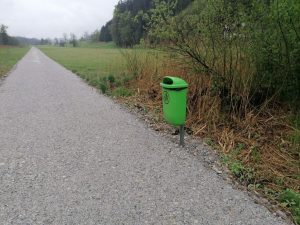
[52, 18]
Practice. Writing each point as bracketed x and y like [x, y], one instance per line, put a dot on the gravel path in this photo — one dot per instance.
[69, 155]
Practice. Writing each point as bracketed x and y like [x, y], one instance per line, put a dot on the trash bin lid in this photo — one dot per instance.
[173, 83]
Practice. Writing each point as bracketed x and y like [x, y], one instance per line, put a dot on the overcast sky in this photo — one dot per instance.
[52, 18]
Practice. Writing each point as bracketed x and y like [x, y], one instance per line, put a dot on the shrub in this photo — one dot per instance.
[249, 52]
[93, 81]
[111, 79]
[102, 87]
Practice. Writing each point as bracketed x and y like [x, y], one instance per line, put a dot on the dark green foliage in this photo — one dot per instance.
[94, 37]
[249, 50]
[105, 33]
[294, 137]
[5, 39]
[181, 5]
[296, 120]
[277, 49]
[129, 24]
[111, 79]
[291, 200]
[73, 40]
[102, 87]
[97, 82]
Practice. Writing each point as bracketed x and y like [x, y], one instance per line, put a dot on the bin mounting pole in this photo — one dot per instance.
[181, 131]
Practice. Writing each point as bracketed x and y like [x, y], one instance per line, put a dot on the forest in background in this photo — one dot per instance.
[6, 39]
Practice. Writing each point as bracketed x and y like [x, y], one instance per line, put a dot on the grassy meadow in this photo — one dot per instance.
[105, 66]
[9, 56]
[88, 60]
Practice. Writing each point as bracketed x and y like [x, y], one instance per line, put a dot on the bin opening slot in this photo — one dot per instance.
[168, 80]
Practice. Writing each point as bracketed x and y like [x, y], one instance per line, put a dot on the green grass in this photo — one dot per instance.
[121, 92]
[103, 65]
[89, 63]
[9, 56]
[291, 200]
[103, 45]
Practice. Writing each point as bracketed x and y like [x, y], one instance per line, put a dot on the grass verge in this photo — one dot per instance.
[9, 56]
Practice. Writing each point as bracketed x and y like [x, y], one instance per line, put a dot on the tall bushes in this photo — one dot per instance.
[246, 53]
[277, 49]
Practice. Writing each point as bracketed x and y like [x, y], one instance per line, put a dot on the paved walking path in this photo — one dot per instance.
[69, 155]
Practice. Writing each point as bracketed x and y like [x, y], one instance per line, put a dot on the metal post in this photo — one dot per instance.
[181, 131]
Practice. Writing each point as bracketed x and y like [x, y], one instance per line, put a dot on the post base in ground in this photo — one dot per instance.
[181, 132]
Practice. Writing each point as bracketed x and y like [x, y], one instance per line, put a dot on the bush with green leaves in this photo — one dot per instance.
[102, 87]
[249, 50]
[111, 79]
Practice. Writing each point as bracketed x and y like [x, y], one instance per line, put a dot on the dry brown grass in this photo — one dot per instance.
[264, 135]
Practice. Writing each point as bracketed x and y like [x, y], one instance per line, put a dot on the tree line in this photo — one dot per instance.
[130, 21]
[128, 26]
[5, 39]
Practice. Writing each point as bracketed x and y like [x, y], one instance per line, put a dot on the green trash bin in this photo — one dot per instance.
[174, 100]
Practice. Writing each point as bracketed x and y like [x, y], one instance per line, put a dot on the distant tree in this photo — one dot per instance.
[131, 18]
[73, 40]
[128, 24]
[4, 38]
[95, 36]
[49, 41]
[46, 41]
[65, 38]
[123, 29]
[56, 41]
[86, 36]
[105, 32]
[62, 43]
[13, 41]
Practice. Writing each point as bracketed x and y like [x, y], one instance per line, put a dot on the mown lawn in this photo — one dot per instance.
[9, 56]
